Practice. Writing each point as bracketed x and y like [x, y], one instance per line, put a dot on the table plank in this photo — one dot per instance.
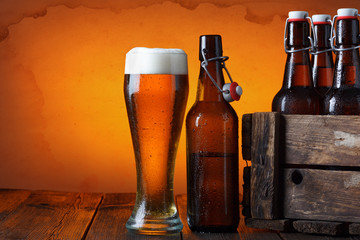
[10, 199]
[51, 215]
[243, 231]
[110, 220]
[301, 236]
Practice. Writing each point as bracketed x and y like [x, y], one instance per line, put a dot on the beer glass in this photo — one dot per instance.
[156, 91]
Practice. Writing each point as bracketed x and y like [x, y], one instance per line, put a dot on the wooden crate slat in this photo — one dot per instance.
[47, 214]
[264, 165]
[322, 195]
[321, 140]
[354, 229]
[283, 225]
[10, 199]
[320, 227]
[246, 210]
[246, 133]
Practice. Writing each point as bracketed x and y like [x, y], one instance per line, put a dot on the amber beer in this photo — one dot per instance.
[156, 90]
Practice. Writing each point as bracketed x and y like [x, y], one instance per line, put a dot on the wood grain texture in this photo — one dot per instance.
[111, 217]
[322, 195]
[51, 215]
[302, 236]
[264, 165]
[320, 227]
[246, 133]
[283, 225]
[354, 229]
[10, 199]
[243, 231]
[246, 210]
[321, 140]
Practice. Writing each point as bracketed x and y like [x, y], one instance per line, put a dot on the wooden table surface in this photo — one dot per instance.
[68, 215]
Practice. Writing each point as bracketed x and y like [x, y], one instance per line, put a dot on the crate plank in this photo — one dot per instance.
[10, 199]
[322, 195]
[321, 140]
[320, 227]
[283, 225]
[111, 217]
[243, 231]
[246, 211]
[47, 214]
[246, 134]
[354, 229]
[264, 165]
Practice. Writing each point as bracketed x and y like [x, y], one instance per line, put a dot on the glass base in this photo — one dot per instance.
[154, 226]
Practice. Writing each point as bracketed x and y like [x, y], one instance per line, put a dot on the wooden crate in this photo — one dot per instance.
[304, 174]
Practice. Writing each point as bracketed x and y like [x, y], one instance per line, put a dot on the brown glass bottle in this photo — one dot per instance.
[212, 151]
[344, 96]
[297, 95]
[323, 64]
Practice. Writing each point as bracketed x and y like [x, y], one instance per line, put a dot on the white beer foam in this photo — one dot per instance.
[142, 60]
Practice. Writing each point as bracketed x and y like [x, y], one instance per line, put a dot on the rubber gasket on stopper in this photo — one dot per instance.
[297, 20]
[233, 93]
[346, 17]
[322, 23]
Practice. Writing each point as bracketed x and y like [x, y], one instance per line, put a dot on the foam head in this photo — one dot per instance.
[141, 60]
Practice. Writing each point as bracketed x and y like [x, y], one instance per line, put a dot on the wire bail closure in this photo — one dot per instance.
[333, 36]
[235, 91]
[313, 43]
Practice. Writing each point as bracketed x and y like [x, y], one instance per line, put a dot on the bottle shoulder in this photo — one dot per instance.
[343, 92]
[342, 101]
[297, 92]
[297, 101]
[212, 110]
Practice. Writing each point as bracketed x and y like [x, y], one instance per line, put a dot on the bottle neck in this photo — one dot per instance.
[347, 32]
[207, 91]
[298, 70]
[322, 33]
[322, 63]
[347, 63]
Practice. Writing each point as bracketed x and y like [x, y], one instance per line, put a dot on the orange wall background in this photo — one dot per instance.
[63, 122]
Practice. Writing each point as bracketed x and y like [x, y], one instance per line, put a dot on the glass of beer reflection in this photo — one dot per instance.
[156, 90]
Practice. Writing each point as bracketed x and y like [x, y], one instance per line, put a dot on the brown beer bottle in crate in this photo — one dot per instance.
[344, 96]
[322, 59]
[297, 95]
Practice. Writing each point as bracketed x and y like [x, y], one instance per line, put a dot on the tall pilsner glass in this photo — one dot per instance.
[156, 90]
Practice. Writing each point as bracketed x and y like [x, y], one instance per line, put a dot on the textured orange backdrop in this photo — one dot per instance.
[63, 122]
